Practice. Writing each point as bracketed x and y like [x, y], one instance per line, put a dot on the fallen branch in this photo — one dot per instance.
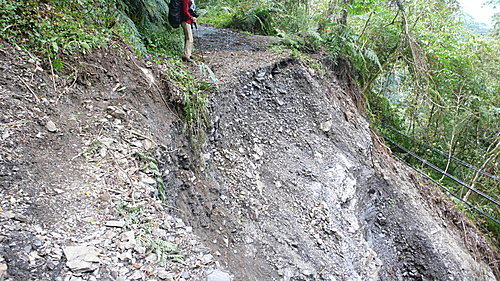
[53, 76]
[29, 88]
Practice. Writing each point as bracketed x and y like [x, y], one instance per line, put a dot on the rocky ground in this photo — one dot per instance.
[79, 177]
[294, 186]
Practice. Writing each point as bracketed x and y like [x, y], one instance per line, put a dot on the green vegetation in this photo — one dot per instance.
[51, 27]
[151, 167]
[194, 103]
[136, 219]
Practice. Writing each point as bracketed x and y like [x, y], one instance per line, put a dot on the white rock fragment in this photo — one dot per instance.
[260, 186]
[107, 141]
[81, 258]
[218, 275]
[206, 259]
[118, 224]
[326, 126]
[128, 240]
[147, 144]
[3, 270]
[164, 274]
[51, 126]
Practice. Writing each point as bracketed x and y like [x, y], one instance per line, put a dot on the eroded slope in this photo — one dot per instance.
[295, 189]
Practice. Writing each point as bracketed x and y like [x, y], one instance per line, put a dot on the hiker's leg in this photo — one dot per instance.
[188, 39]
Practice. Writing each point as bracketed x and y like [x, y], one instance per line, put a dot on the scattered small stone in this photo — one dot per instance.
[8, 215]
[147, 179]
[179, 223]
[308, 272]
[125, 256]
[128, 240]
[217, 275]
[140, 250]
[51, 126]
[117, 112]
[137, 275]
[152, 258]
[326, 126]
[56, 235]
[81, 258]
[136, 143]
[147, 144]
[58, 190]
[51, 265]
[260, 186]
[13, 216]
[5, 135]
[165, 275]
[3, 270]
[118, 224]
[206, 259]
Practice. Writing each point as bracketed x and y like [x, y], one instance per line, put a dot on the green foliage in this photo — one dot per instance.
[257, 21]
[51, 27]
[144, 226]
[164, 250]
[152, 168]
[440, 83]
[168, 43]
[147, 12]
[261, 16]
[309, 41]
[145, 23]
[194, 103]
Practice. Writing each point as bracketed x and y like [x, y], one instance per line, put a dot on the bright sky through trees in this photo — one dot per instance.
[480, 13]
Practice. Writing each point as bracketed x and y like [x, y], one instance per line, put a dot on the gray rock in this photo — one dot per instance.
[119, 224]
[3, 270]
[51, 126]
[14, 216]
[326, 126]
[206, 259]
[137, 275]
[81, 258]
[117, 112]
[164, 274]
[217, 275]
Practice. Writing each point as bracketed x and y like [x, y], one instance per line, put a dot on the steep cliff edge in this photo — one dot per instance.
[295, 186]
[299, 189]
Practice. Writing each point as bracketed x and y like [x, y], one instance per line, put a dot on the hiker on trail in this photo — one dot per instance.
[187, 21]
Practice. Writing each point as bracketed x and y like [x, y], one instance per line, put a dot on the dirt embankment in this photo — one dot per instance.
[295, 187]
[78, 176]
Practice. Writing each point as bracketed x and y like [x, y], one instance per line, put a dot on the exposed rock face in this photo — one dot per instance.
[297, 190]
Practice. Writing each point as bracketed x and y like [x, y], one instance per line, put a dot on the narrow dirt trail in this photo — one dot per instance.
[228, 53]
